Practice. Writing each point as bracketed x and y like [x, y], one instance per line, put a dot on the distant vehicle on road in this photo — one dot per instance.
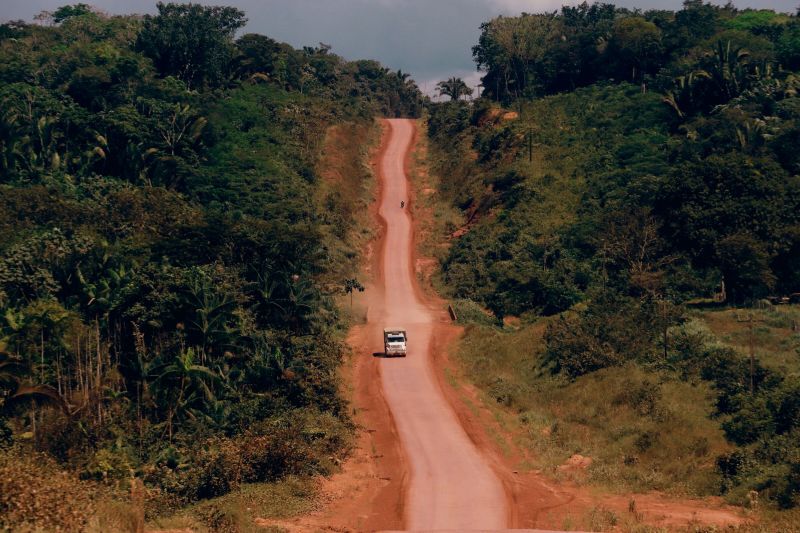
[394, 342]
[793, 298]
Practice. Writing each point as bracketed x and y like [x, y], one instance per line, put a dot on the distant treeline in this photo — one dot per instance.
[703, 54]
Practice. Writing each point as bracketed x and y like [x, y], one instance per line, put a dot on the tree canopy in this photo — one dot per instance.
[167, 256]
[192, 42]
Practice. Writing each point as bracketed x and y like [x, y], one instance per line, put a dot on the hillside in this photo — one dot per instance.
[625, 209]
[169, 256]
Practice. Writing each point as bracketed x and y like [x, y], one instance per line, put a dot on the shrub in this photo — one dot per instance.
[611, 331]
[643, 397]
[36, 494]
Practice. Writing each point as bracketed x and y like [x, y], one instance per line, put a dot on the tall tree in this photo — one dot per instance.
[455, 88]
[191, 41]
[66, 12]
[637, 46]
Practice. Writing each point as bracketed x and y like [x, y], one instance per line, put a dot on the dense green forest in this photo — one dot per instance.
[167, 266]
[622, 171]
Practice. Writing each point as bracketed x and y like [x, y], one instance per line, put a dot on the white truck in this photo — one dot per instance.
[394, 342]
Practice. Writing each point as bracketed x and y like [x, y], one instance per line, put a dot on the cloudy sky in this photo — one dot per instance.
[432, 39]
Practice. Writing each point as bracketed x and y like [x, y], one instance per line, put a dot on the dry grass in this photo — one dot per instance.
[37, 495]
[776, 333]
[644, 430]
[237, 512]
[434, 220]
[346, 190]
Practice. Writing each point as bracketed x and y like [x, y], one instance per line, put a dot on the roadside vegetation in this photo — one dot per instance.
[169, 259]
[627, 208]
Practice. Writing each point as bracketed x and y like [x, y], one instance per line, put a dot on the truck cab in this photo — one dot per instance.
[394, 342]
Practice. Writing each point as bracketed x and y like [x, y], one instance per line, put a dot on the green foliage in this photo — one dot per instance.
[758, 21]
[191, 42]
[603, 335]
[643, 161]
[455, 88]
[165, 258]
[788, 46]
[636, 45]
[66, 12]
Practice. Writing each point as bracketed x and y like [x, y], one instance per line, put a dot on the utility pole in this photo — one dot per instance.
[752, 344]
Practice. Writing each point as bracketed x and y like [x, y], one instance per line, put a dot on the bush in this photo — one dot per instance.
[36, 494]
[301, 442]
[643, 397]
[470, 312]
[611, 331]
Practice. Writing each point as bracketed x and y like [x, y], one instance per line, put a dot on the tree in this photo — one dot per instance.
[351, 285]
[66, 12]
[191, 41]
[745, 266]
[636, 44]
[515, 53]
[611, 331]
[788, 46]
[705, 202]
[455, 88]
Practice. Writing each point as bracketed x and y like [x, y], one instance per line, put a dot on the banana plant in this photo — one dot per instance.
[213, 321]
[182, 384]
[30, 122]
[179, 131]
[102, 291]
[288, 298]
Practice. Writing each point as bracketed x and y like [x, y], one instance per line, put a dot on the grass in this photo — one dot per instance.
[346, 191]
[643, 430]
[776, 333]
[237, 511]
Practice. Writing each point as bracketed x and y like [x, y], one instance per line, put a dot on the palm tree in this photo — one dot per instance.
[182, 384]
[455, 88]
[10, 369]
[289, 297]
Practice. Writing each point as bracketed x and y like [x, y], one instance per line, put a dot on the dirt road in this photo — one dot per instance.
[450, 484]
[429, 456]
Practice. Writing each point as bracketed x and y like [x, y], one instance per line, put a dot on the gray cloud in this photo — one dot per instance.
[432, 39]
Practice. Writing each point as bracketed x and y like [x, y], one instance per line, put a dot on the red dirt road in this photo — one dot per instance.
[450, 487]
[424, 459]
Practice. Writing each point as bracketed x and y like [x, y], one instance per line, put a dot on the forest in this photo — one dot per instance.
[627, 179]
[167, 266]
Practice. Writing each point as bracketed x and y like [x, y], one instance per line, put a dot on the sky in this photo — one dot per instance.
[431, 39]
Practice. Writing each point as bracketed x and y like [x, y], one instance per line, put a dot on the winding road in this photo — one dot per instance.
[451, 486]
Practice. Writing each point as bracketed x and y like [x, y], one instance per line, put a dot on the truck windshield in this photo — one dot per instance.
[396, 338]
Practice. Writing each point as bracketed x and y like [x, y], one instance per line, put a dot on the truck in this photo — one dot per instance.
[394, 342]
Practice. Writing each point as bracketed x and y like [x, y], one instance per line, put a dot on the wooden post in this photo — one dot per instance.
[137, 503]
[752, 359]
[752, 345]
[530, 145]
